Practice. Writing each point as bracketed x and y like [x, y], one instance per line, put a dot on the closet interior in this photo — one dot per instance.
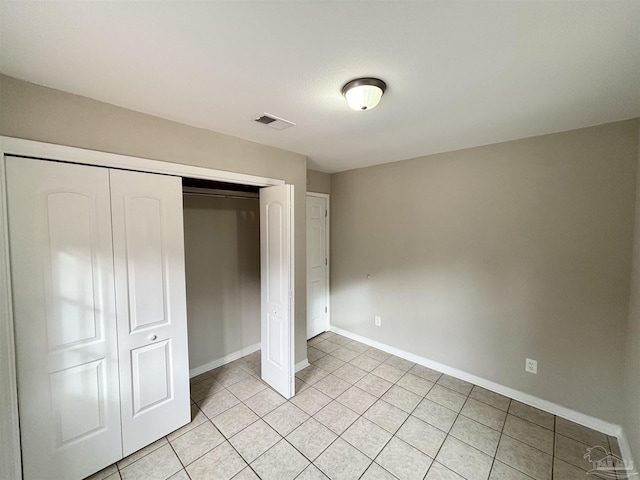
[222, 267]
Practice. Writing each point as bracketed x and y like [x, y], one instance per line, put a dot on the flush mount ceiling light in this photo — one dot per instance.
[364, 93]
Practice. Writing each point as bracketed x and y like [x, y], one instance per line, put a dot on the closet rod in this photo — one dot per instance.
[221, 195]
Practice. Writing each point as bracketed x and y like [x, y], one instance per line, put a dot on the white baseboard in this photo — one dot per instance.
[224, 360]
[234, 356]
[564, 412]
[625, 448]
[302, 364]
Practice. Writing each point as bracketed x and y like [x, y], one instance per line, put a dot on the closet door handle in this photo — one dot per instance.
[152, 337]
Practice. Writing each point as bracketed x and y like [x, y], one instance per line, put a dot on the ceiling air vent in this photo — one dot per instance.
[274, 122]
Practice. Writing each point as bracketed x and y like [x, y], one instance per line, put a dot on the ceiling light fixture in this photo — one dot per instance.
[364, 93]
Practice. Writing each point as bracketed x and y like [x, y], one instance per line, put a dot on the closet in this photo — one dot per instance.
[222, 259]
[93, 331]
[276, 307]
[97, 275]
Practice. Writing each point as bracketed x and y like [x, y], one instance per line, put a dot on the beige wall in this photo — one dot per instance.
[38, 113]
[222, 258]
[318, 182]
[632, 377]
[482, 257]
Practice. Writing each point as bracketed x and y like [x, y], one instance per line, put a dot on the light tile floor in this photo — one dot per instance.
[360, 413]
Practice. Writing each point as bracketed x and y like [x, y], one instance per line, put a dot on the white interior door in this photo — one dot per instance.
[148, 247]
[317, 266]
[64, 314]
[276, 257]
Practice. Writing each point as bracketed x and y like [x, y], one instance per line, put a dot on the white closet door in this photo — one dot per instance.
[148, 246]
[317, 267]
[64, 314]
[276, 257]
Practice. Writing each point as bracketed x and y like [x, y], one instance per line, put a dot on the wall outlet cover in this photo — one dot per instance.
[531, 366]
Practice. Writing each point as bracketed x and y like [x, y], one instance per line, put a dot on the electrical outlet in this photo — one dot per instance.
[377, 320]
[531, 366]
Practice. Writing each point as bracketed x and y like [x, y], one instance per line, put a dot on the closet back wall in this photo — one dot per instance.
[222, 257]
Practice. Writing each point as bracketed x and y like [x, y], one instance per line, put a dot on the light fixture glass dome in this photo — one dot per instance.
[364, 93]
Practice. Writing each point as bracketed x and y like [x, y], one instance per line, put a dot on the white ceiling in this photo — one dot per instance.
[459, 74]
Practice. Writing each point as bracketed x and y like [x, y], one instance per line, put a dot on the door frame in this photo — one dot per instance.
[327, 221]
[10, 455]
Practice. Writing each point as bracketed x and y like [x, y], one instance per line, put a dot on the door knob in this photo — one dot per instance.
[152, 337]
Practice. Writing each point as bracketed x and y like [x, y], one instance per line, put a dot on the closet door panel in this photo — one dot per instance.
[154, 361]
[277, 281]
[151, 305]
[147, 287]
[69, 282]
[64, 314]
[78, 419]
